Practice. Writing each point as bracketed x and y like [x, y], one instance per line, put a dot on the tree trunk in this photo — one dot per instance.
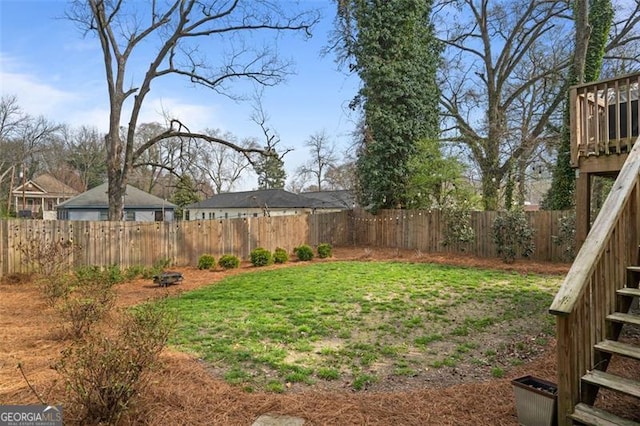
[490, 186]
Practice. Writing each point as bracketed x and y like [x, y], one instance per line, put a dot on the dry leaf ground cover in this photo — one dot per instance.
[188, 390]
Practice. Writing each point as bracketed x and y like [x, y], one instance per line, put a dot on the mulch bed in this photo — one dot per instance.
[182, 391]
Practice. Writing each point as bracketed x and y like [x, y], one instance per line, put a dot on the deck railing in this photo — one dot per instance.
[604, 117]
[588, 293]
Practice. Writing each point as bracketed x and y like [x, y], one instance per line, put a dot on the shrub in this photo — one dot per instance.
[229, 261]
[158, 267]
[325, 250]
[261, 257]
[133, 272]
[304, 252]
[56, 288]
[566, 237]
[86, 302]
[457, 225]
[513, 235]
[105, 371]
[48, 257]
[206, 261]
[111, 274]
[280, 255]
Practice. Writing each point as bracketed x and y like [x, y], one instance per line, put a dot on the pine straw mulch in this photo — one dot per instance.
[182, 391]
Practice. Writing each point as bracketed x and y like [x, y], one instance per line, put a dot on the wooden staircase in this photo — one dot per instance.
[604, 351]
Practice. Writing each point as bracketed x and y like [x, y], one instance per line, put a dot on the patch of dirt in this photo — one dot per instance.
[183, 390]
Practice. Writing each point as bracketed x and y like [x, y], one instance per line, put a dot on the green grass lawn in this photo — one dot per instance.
[358, 323]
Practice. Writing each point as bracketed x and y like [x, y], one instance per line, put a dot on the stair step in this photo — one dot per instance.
[634, 292]
[618, 348]
[613, 382]
[624, 318]
[596, 417]
[633, 268]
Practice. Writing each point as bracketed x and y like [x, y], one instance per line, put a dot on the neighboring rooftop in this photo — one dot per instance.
[271, 198]
[341, 199]
[49, 185]
[97, 198]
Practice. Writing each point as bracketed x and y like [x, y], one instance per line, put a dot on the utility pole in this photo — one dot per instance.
[24, 202]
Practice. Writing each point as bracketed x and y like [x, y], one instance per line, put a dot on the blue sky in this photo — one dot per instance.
[56, 72]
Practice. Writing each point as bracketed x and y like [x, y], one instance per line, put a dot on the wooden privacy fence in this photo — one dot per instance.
[425, 230]
[142, 243]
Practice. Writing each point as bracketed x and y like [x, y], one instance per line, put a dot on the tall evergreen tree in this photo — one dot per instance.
[586, 68]
[392, 47]
[270, 171]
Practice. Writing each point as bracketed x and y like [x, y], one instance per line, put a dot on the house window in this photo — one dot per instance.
[130, 216]
[255, 215]
[186, 214]
[202, 215]
[212, 215]
[158, 216]
[226, 215]
[104, 215]
[239, 214]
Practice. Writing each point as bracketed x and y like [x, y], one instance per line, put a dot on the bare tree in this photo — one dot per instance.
[177, 27]
[488, 46]
[221, 165]
[322, 158]
[269, 167]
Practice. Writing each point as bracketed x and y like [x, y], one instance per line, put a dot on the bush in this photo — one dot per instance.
[48, 257]
[325, 250]
[85, 302]
[261, 257]
[158, 267]
[206, 261]
[457, 229]
[105, 371]
[133, 272]
[229, 261]
[303, 252]
[566, 237]
[513, 235]
[280, 255]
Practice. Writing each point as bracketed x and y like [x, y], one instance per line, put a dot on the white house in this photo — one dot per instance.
[139, 206]
[267, 202]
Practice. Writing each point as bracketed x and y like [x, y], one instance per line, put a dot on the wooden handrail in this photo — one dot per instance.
[593, 247]
[588, 293]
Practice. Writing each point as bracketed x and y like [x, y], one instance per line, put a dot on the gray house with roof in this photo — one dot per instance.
[139, 206]
[267, 202]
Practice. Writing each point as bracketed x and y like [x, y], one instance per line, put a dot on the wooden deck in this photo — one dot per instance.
[592, 303]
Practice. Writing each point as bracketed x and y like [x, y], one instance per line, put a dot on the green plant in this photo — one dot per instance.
[303, 252]
[280, 255]
[325, 250]
[566, 237]
[104, 372]
[362, 380]
[206, 261]
[457, 225]
[56, 288]
[229, 261]
[497, 372]
[512, 235]
[261, 257]
[84, 303]
[133, 272]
